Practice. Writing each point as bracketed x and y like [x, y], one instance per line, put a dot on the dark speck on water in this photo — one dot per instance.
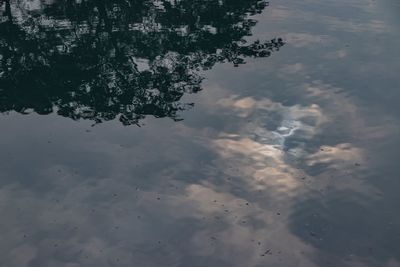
[313, 234]
[266, 253]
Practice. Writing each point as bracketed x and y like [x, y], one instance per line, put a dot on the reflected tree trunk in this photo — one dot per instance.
[8, 10]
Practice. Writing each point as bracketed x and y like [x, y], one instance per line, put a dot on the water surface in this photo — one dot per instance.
[199, 133]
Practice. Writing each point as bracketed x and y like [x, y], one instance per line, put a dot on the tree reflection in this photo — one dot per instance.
[99, 60]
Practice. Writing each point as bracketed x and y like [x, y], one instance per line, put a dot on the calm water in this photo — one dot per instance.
[199, 133]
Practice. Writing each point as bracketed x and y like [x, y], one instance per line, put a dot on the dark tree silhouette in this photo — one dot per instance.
[99, 59]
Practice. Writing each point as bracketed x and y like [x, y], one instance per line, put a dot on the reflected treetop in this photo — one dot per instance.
[124, 59]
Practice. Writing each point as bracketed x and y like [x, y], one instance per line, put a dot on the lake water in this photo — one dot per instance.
[214, 133]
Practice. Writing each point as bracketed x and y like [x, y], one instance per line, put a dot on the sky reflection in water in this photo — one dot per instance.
[288, 160]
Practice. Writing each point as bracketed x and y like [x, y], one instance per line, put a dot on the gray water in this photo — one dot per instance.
[281, 153]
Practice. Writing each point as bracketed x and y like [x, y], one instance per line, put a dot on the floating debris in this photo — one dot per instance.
[268, 252]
